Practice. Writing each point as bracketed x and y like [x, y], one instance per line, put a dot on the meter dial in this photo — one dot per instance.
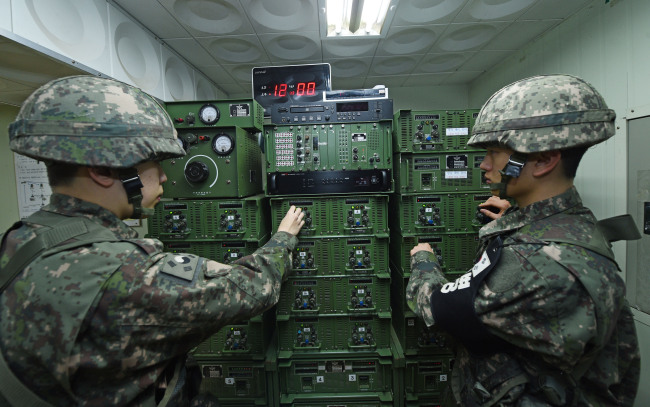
[222, 144]
[209, 114]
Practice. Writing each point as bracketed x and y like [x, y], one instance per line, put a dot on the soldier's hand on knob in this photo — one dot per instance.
[292, 221]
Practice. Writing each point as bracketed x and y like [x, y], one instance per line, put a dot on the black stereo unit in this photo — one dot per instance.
[329, 182]
[320, 112]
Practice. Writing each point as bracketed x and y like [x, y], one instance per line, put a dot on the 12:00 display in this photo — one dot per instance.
[299, 89]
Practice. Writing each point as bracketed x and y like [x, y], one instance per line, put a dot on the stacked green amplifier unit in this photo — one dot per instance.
[214, 206]
[333, 329]
[438, 186]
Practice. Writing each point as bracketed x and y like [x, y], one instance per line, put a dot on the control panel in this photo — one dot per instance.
[226, 251]
[335, 295]
[192, 219]
[323, 112]
[455, 251]
[451, 212]
[336, 215]
[343, 146]
[333, 333]
[440, 172]
[362, 255]
[244, 113]
[329, 182]
[431, 131]
[220, 163]
[338, 376]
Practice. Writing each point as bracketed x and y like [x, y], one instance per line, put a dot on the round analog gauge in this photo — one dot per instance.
[209, 114]
[222, 144]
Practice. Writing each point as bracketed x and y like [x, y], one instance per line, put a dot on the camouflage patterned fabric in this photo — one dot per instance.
[554, 302]
[118, 313]
[93, 121]
[544, 113]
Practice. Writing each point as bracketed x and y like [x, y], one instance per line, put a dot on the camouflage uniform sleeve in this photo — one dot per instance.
[426, 276]
[259, 275]
[157, 306]
[177, 300]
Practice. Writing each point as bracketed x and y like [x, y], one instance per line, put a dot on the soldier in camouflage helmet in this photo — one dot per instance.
[91, 314]
[118, 127]
[541, 319]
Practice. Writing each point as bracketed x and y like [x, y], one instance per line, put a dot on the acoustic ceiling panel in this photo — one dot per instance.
[397, 65]
[444, 62]
[422, 12]
[292, 47]
[239, 49]
[349, 47]
[282, 16]
[219, 37]
[408, 40]
[203, 18]
[467, 37]
[489, 10]
[349, 68]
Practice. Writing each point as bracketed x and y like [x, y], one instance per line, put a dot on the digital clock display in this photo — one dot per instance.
[290, 84]
[296, 89]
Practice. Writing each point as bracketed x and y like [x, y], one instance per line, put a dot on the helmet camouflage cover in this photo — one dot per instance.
[543, 113]
[98, 122]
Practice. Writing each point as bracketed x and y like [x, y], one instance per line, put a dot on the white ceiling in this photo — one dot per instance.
[428, 42]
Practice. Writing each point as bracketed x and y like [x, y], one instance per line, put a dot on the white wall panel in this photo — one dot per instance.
[100, 36]
[204, 89]
[135, 55]
[178, 78]
[5, 14]
[77, 29]
[637, 19]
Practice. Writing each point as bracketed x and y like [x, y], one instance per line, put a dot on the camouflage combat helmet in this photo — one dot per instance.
[98, 122]
[543, 113]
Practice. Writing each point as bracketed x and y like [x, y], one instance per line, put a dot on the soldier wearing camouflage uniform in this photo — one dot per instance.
[95, 315]
[541, 319]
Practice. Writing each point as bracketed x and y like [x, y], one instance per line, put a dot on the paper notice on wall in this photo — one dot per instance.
[32, 186]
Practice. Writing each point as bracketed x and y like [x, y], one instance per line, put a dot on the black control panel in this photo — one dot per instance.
[333, 112]
[324, 182]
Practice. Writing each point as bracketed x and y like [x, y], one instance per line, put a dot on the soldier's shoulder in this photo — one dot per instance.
[149, 246]
[562, 226]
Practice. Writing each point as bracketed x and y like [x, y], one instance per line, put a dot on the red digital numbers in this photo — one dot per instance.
[280, 90]
[302, 88]
[306, 88]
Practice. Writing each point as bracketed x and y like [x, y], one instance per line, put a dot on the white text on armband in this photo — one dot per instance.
[464, 280]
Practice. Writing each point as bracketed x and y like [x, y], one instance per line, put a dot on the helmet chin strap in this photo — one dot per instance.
[133, 187]
[512, 169]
